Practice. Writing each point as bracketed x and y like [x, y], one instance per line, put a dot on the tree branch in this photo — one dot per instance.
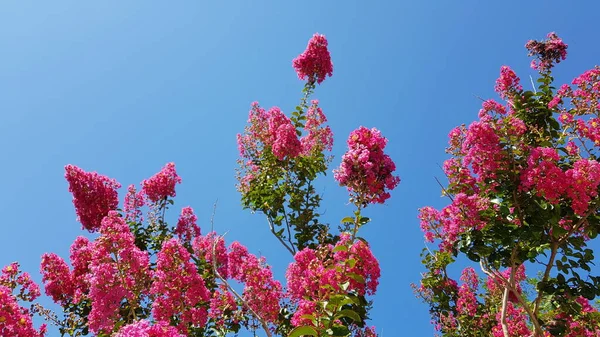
[272, 227]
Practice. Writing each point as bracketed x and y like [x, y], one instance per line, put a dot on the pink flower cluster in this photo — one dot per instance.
[508, 84]
[314, 63]
[365, 169]
[467, 300]
[15, 320]
[118, 271]
[543, 174]
[61, 284]
[319, 138]
[143, 329]
[178, 289]
[483, 151]
[222, 304]
[581, 326]
[161, 185]
[94, 196]
[496, 284]
[283, 138]
[212, 249]
[134, 200]
[261, 292]
[516, 319]
[56, 277]
[316, 275]
[579, 183]
[548, 52]
[269, 129]
[187, 228]
[464, 213]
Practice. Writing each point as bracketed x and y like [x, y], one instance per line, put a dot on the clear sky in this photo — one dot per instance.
[123, 87]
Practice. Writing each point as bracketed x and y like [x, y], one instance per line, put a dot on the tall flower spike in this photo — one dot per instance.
[314, 63]
[162, 184]
[94, 196]
[365, 169]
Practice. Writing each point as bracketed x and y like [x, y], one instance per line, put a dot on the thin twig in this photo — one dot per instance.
[532, 85]
[272, 227]
[212, 216]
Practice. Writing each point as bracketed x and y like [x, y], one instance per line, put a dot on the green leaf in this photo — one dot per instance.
[303, 331]
[339, 331]
[350, 314]
[357, 278]
[341, 248]
[348, 219]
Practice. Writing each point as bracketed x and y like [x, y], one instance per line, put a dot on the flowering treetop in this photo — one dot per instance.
[523, 184]
[141, 276]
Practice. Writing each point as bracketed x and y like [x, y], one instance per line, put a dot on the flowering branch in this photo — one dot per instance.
[240, 298]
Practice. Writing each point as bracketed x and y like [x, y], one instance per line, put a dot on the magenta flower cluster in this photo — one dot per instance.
[15, 320]
[94, 196]
[178, 289]
[314, 63]
[548, 52]
[317, 274]
[162, 185]
[366, 170]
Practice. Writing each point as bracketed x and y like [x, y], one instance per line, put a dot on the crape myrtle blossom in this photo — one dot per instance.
[366, 170]
[547, 53]
[16, 320]
[144, 329]
[317, 274]
[161, 185]
[314, 64]
[119, 271]
[523, 185]
[94, 195]
[179, 291]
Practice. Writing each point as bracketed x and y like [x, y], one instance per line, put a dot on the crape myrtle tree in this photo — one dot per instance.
[140, 276]
[523, 189]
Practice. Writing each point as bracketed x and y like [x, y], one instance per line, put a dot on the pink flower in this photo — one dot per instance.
[187, 229]
[179, 289]
[544, 175]
[365, 169]
[81, 255]
[203, 248]
[133, 202]
[467, 300]
[118, 271]
[162, 185]
[222, 305]
[144, 329]
[319, 138]
[94, 196]
[316, 275]
[516, 319]
[507, 85]
[57, 278]
[261, 292]
[583, 180]
[548, 52]
[15, 321]
[284, 140]
[314, 63]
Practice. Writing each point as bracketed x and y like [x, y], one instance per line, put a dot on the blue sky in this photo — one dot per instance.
[122, 87]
